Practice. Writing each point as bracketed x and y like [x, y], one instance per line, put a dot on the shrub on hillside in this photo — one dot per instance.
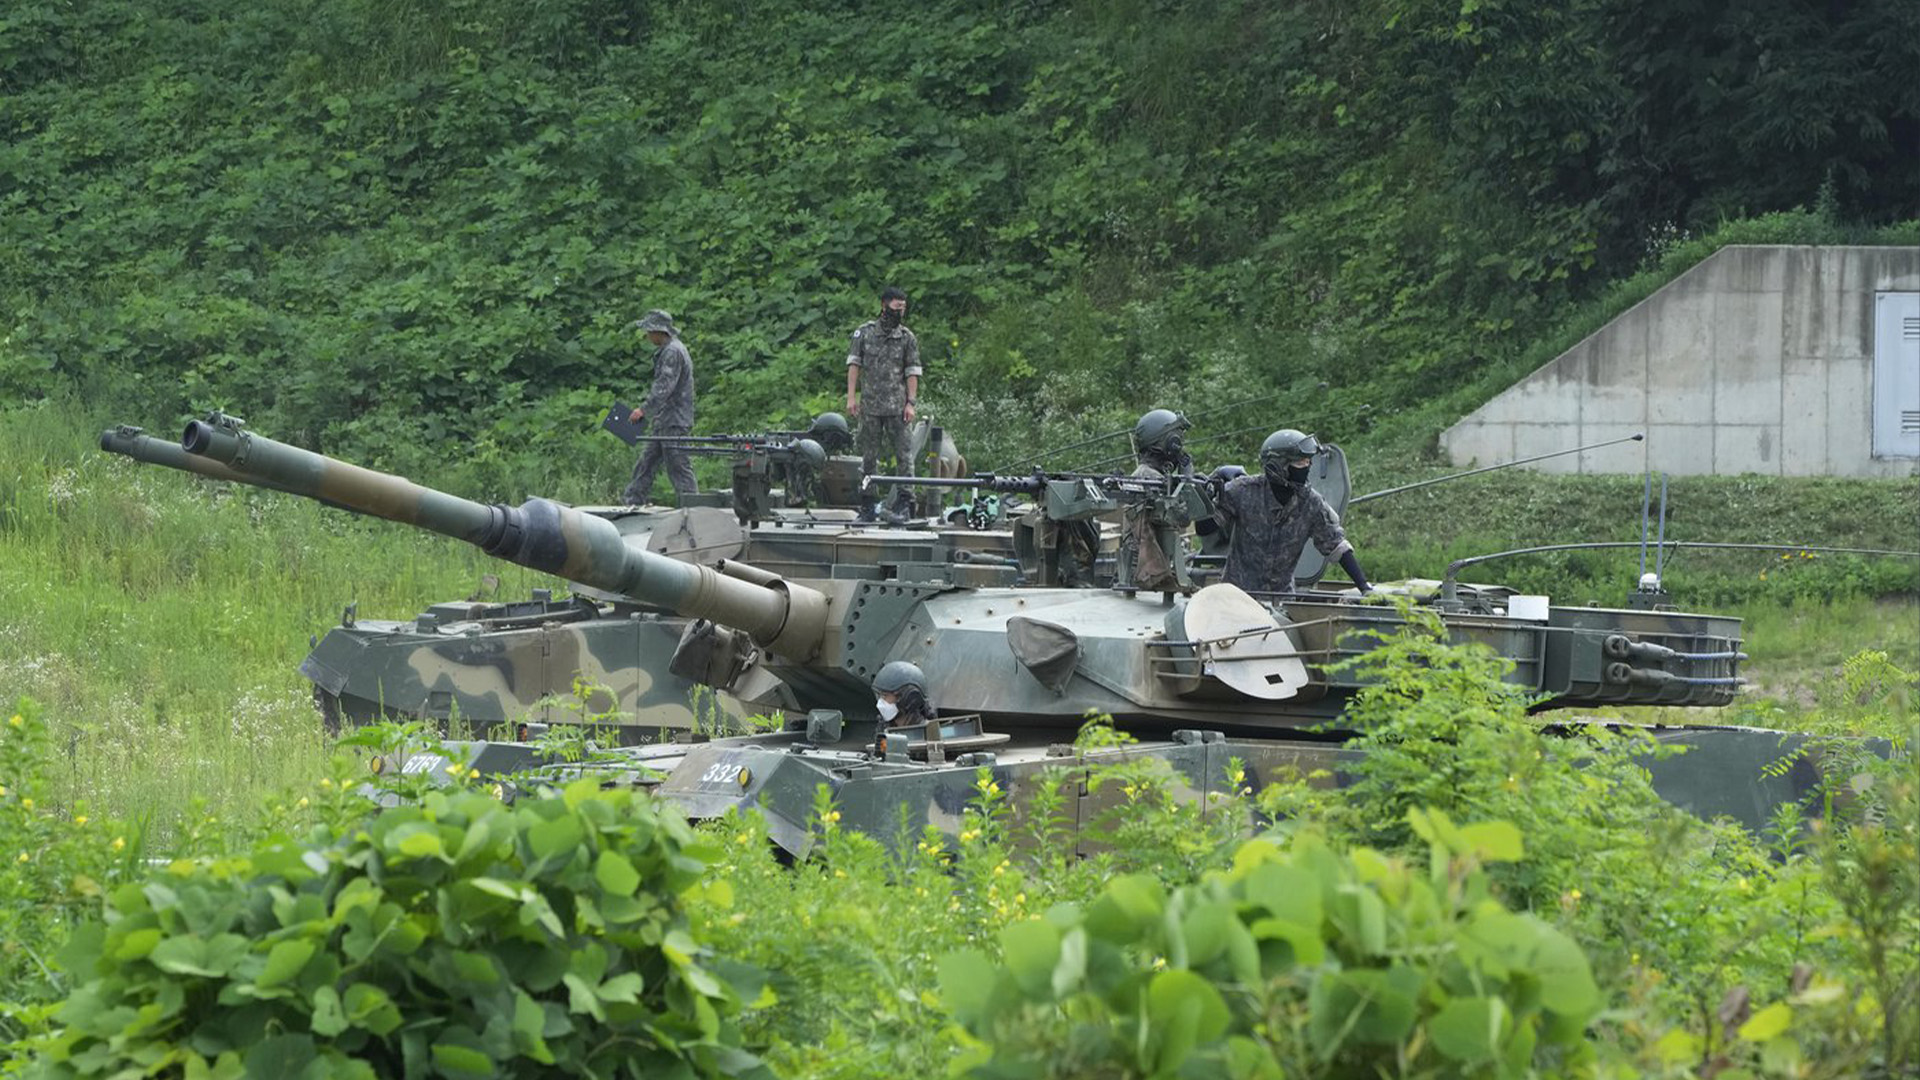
[453, 937]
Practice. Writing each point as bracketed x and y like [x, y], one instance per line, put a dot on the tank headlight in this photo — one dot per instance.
[746, 777]
[377, 764]
[500, 792]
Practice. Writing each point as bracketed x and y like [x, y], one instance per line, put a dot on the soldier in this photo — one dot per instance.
[1149, 545]
[670, 404]
[900, 692]
[883, 386]
[1271, 515]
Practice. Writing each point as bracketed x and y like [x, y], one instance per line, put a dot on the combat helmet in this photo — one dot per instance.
[1161, 432]
[898, 675]
[810, 453]
[830, 430]
[1283, 448]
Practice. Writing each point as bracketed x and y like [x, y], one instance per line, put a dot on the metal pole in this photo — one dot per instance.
[1636, 437]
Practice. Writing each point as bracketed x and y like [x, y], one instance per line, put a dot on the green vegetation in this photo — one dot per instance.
[414, 234]
[1593, 926]
[452, 937]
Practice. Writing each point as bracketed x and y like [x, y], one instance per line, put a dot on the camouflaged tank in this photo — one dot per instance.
[817, 609]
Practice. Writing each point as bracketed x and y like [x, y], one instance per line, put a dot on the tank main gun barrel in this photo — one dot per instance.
[129, 441]
[540, 534]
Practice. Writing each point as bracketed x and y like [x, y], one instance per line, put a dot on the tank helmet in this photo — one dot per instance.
[897, 676]
[1161, 430]
[830, 430]
[1284, 447]
[810, 452]
[1226, 474]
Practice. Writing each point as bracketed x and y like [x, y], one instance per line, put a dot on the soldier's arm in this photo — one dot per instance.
[913, 374]
[853, 376]
[1328, 536]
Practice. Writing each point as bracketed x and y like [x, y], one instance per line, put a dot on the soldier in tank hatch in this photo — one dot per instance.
[1269, 516]
[883, 386]
[669, 406]
[1149, 555]
[900, 697]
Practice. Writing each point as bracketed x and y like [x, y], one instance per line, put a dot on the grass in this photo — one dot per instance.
[160, 617]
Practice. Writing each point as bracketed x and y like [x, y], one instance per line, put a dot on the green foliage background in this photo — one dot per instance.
[415, 232]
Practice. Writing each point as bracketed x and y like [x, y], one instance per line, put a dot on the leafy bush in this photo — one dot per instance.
[455, 937]
[56, 861]
[1296, 962]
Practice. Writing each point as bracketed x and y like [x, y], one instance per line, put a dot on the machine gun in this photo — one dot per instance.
[760, 461]
[1059, 539]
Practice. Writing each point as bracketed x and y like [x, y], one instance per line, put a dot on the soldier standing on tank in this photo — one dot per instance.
[1149, 543]
[883, 386]
[670, 405]
[900, 699]
[1270, 515]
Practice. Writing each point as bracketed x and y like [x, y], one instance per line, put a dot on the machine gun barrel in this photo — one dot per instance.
[763, 439]
[539, 534]
[1035, 483]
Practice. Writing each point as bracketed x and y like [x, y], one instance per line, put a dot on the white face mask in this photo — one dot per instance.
[888, 710]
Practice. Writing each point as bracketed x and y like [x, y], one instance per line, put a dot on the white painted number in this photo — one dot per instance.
[721, 774]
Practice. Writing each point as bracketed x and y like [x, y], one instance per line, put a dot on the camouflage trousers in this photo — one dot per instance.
[887, 437]
[679, 471]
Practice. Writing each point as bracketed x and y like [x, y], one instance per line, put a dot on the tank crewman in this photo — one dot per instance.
[900, 692]
[883, 385]
[1152, 530]
[1270, 516]
[670, 406]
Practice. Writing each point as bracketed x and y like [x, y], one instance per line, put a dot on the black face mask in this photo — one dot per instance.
[889, 318]
[1288, 481]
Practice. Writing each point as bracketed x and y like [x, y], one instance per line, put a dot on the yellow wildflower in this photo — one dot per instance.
[81, 820]
[473, 774]
[326, 782]
[302, 804]
[17, 720]
[24, 857]
[119, 843]
[28, 803]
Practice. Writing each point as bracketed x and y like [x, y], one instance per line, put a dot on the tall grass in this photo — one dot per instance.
[160, 617]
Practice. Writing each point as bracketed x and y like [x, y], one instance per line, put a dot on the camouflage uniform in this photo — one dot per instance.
[669, 411]
[1268, 535]
[885, 359]
[1151, 529]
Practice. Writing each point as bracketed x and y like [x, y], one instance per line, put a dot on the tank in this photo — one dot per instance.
[805, 613]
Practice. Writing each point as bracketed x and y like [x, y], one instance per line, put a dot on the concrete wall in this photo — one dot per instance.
[1758, 360]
